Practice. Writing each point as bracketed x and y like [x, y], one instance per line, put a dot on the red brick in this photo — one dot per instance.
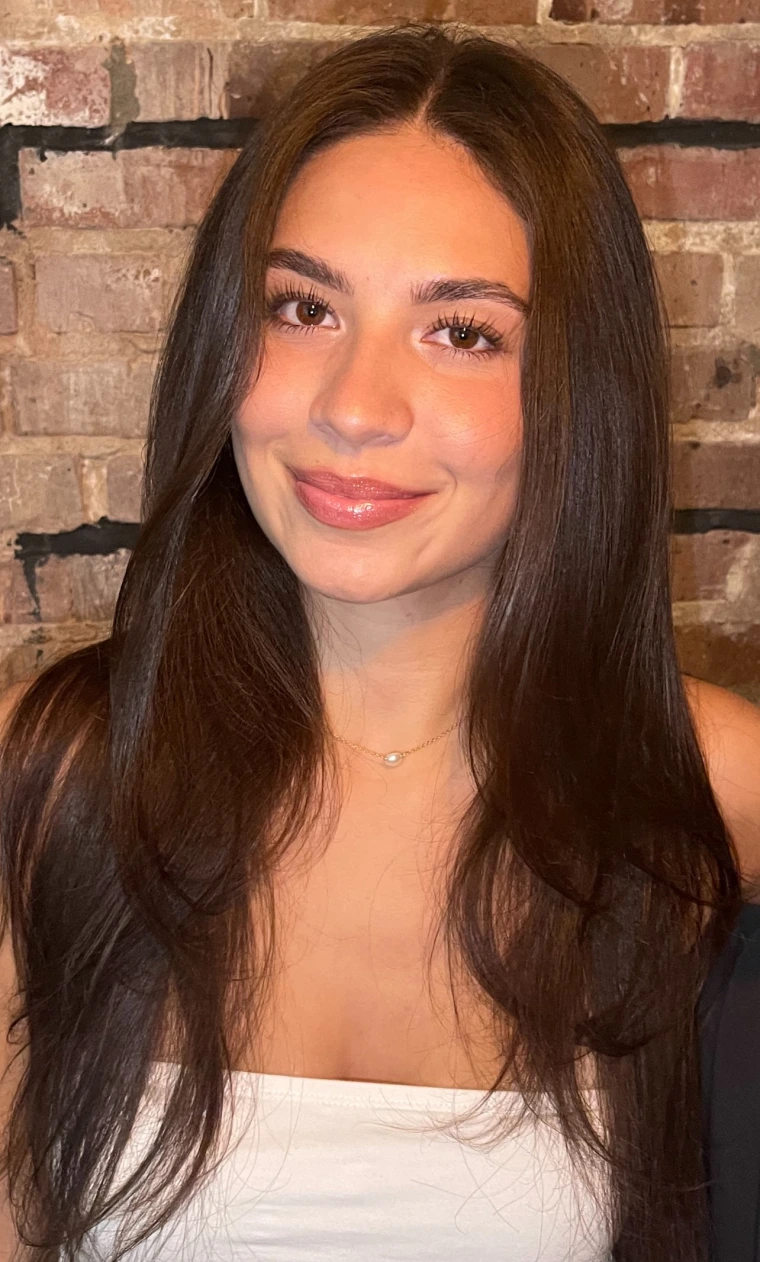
[124, 482]
[135, 188]
[748, 295]
[128, 292]
[370, 13]
[659, 11]
[722, 81]
[8, 305]
[41, 19]
[39, 492]
[692, 287]
[79, 588]
[66, 589]
[716, 475]
[57, 397]
[177, 79]
[622, 85]
[714, 383]
[722, 654]
[702, 564]
[669, 182]
[69, 87]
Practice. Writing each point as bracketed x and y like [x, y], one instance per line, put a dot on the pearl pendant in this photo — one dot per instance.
[392, 760]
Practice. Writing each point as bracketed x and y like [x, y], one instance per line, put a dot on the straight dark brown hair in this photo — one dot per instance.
[151, 781]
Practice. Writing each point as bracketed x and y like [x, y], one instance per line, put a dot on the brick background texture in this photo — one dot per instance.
[93, 235]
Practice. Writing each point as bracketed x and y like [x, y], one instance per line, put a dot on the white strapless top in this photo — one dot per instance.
[326, 1170]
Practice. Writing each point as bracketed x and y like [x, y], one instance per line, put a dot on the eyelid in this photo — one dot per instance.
[483, 328]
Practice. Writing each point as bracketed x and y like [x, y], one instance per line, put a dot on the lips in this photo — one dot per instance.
[354, 487]
[360, 509]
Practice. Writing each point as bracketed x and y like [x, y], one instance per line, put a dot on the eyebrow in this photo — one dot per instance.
[448, 289]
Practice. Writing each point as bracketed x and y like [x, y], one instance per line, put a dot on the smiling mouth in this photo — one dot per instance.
[355, 512]
[353, 487]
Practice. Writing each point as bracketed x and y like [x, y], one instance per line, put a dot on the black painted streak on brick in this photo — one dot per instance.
[232, 133]
[686, 133]
[10, 189]
[201, 133]
[698, 521]
[101, 538]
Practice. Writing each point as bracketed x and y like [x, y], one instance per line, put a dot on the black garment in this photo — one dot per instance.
[729, 1022]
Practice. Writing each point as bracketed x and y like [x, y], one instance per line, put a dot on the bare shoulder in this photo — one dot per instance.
[728, 729]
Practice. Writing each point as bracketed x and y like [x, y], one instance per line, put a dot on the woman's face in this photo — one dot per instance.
[364, 377]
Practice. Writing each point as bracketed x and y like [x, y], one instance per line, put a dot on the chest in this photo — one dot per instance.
[361, 988]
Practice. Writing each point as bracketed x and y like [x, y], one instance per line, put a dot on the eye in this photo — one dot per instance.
[469, 326]
[461, 325]
[278, 300]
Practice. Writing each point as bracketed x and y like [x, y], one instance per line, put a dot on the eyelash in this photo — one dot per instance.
[291, 294]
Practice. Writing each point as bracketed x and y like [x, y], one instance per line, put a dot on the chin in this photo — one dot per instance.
[357, 589]
[352, 593]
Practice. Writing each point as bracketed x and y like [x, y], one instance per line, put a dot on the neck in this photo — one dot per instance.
[393, 672]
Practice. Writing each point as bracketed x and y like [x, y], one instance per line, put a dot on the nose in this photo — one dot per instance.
[362, 400]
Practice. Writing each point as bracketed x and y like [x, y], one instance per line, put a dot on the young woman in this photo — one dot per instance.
[385, 807]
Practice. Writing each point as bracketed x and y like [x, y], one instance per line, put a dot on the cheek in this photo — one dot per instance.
[483, 437]
[261, 417]
[270, 405]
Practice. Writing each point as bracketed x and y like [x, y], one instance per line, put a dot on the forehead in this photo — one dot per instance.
[402, 203]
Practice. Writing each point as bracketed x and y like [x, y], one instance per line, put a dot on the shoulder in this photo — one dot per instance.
[728, 730]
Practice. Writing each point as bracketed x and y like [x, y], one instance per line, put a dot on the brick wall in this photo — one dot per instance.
[117, 120]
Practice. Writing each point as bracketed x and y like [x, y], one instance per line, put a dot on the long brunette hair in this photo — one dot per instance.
[150, 781]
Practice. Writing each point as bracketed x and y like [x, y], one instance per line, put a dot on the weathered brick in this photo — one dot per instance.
[702, 564]
[714, 383]
[669, 182]
[39, 492]
[260, 75]
[622, 85]
[79, 588]
[691, 286]
[722, 81]
[128, 292]
[124, 482]
[37, 646]
[723, 654]
[43, 21]
[716, 475]
[133, 188]
[8, 306]
[659, 11]
[95, 397]
[46, 86]
[748, 295]
[370, 13]
[16, 602]
[177, 79]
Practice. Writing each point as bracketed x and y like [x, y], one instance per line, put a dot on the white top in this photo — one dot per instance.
[326, 1170]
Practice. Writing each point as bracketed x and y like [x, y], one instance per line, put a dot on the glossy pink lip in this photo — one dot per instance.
[355, 487]
[352, 513]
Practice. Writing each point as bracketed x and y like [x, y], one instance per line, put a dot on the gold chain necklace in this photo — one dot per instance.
[396, 756]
